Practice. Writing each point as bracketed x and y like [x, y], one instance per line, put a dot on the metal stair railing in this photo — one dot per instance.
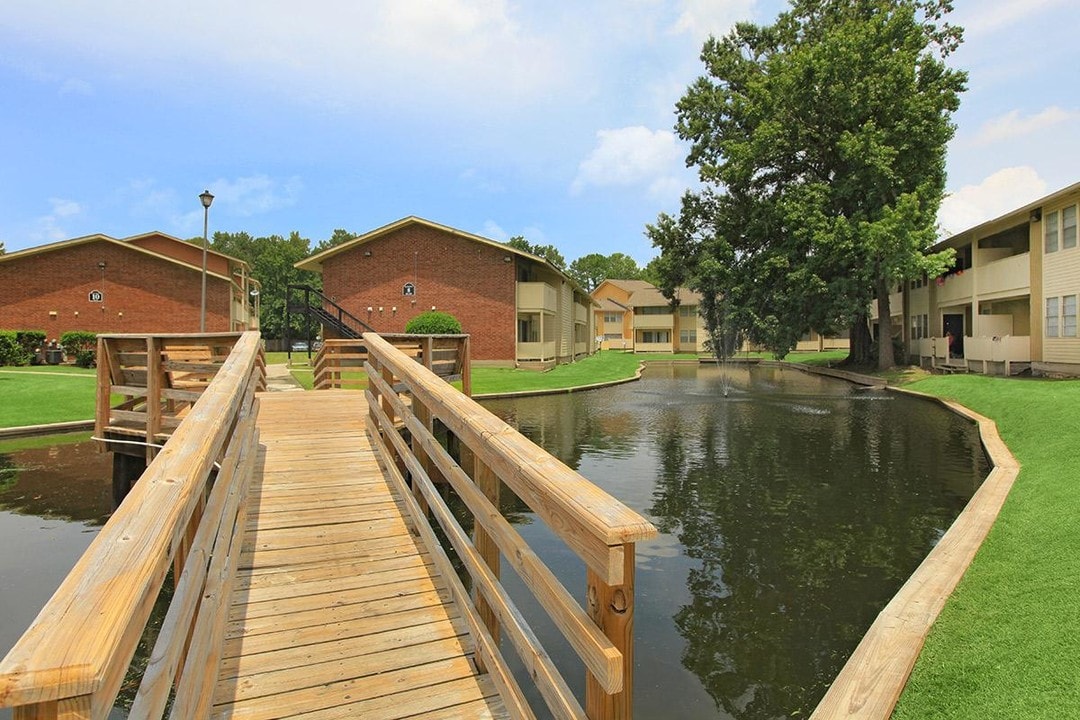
[326, 311]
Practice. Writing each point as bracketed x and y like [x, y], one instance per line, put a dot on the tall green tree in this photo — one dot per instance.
[271, 261]
[592, 269]
[820, 142]
[548, 252]
[338, 237]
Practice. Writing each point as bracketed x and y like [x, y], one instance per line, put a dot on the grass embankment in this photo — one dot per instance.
[46, 394]
[605, 366]
[1007, 644]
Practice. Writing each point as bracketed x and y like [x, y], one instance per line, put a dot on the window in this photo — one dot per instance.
[655, 336]
[1051, 317]
[688, 337]
[688, 311]
[1050, 232]
[653, 310]
[1068, 227]
[528, 329]
[612, 336]
[612, 317]
[1068, 316]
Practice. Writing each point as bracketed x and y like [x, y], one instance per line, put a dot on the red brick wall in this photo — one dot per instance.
[467, 279]
[143, 293]
[183, 251]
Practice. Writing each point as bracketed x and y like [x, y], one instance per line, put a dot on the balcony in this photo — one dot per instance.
[581, 314]
[536, 297]
[953, 289]
[536, 350]
[1011, 276]
[654, 322]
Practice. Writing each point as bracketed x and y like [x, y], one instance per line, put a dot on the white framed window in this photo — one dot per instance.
[687, 311]
[1052, 305]
[1050, 232]
[653, 310]
[612, 317]
[1068, 316]
[1068, 227]
[687, 337]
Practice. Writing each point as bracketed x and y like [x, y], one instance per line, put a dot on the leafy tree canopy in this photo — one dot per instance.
[271, 260]
[820, 140]
[592, 269]
[548, 252]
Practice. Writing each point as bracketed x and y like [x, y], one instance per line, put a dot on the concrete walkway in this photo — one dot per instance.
[279, 379]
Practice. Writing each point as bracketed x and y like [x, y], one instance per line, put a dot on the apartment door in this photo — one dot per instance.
[953, 327]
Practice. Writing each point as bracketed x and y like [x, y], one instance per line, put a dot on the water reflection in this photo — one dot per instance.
[789, 512]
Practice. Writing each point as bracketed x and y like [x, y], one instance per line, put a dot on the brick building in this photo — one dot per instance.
[518, 308]
[146, 283]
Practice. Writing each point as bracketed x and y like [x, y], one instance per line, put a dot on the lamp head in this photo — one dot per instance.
[206, 198]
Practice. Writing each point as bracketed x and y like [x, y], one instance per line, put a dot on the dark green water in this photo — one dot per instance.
[789, 511]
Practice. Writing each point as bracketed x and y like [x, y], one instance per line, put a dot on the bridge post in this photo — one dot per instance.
[488, 483]
[612, 608]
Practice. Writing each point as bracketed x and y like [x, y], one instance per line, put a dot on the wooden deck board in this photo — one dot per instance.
[337, 610]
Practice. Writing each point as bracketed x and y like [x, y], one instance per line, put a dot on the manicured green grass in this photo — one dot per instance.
[46, 394]
[1007, 644]
[604, 366]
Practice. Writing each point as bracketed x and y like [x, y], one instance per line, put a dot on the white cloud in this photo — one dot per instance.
[632, 156]
[374, 55]
[254, 195]
[1013, 124]
[52, 226]
[494, 231]
[1001, 192]
[701, 18]
[989, 16]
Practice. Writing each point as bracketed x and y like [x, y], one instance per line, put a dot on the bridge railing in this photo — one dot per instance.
[72, 660]
[597, 527]
[340, 363]
[158, 378]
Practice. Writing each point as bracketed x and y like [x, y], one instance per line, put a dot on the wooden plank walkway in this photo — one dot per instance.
[337, 610]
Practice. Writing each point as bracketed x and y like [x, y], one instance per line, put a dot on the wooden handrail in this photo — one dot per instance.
[445, 355]
[71, 661]
[600, 529]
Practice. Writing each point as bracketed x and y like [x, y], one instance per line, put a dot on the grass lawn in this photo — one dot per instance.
[46, 394]
[1007, 644]
[604, 366]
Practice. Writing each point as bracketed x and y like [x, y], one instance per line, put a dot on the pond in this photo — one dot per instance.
[790, 511]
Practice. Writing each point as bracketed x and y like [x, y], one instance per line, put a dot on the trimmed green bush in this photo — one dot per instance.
[11, 351]
[433, 322]
[76, 340]
[32, 341]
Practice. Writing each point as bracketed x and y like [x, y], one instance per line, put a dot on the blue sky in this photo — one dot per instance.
[546, 119]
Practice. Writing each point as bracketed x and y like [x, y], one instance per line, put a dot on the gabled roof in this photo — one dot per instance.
[1021, 215]
[652, 297]
[156, 233]
[629, 286]
[98, 237]
[314, 263]
[613, 305]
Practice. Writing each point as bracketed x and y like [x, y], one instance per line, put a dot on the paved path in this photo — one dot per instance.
[279, 379]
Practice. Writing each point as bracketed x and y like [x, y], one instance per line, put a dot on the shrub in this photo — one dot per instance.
[11, 352]
[77, 340]
[32, 341]
[433, 322]
[86, 358]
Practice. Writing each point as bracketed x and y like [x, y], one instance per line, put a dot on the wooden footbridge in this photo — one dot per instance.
[308, 578]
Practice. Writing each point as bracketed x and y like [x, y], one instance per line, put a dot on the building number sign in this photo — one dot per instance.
[96, 296]
[408, 289]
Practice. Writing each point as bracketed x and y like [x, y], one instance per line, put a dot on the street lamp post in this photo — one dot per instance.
[206, 198]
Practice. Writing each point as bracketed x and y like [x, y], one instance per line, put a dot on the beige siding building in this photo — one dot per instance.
[1009, 303]
[635, 315]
